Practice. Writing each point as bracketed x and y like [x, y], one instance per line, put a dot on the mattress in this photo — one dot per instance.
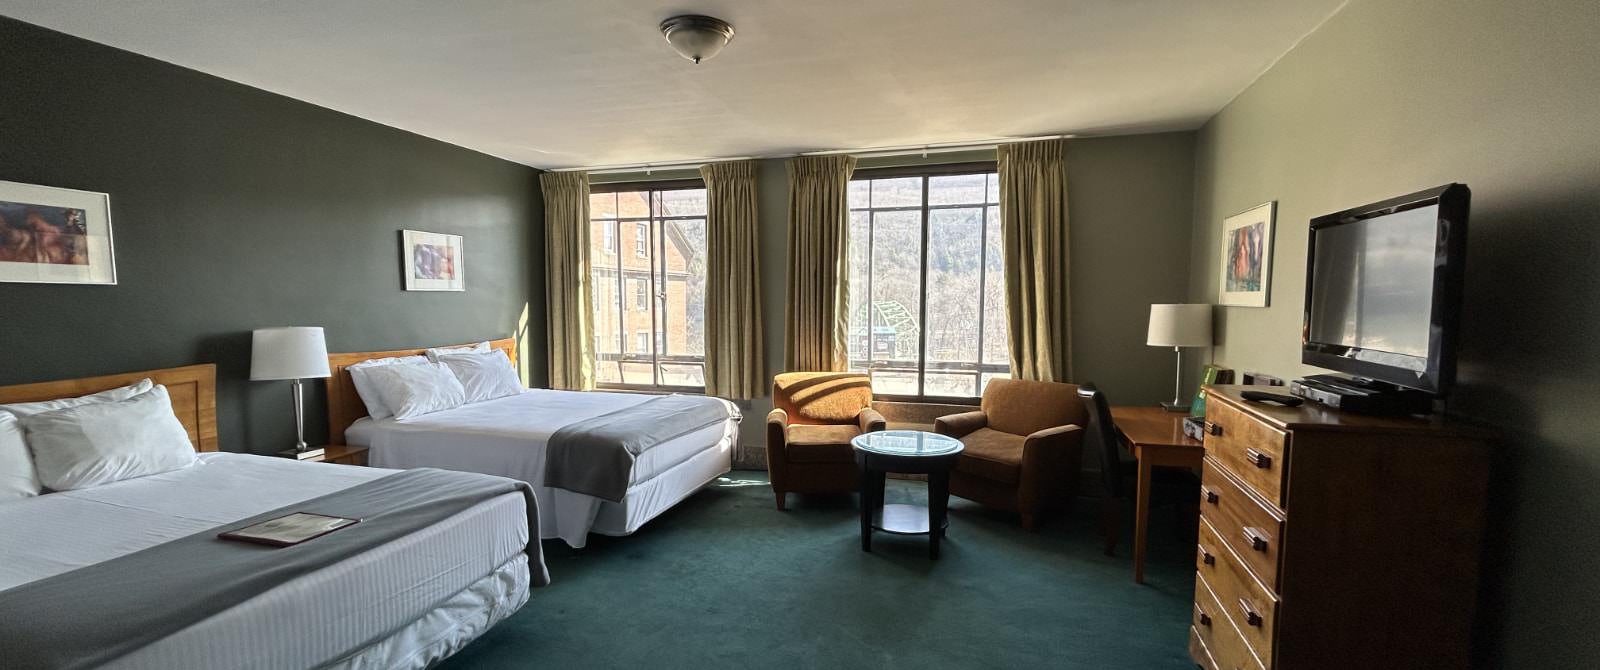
[314, 619]
[507, 437]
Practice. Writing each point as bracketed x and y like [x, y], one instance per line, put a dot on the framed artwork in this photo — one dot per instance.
[433, 261]
[55, 235]
[1247, 256]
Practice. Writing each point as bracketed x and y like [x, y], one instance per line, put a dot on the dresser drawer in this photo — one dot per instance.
[1251, 608]
[1215, 635]
[1244, 523]
[1250, 449]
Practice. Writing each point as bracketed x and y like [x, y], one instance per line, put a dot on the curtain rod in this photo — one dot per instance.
[872, 152]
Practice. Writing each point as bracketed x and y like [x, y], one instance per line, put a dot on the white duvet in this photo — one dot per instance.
[508, 436]
[58, 532]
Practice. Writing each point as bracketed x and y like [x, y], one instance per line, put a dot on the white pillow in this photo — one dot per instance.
[414, 390]
[368, 391]
[17, 479]
[100, 443]
[23, 409]
[484, 376]
[479, 348]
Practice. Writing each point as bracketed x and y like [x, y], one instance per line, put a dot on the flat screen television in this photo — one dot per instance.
[1383, 289]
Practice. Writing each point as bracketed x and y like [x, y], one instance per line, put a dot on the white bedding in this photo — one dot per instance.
[507, 437]
[305, 622]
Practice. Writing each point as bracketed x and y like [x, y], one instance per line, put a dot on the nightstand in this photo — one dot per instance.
[343, 454]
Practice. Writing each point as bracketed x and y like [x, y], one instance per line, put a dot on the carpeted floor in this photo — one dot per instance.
[725, 580]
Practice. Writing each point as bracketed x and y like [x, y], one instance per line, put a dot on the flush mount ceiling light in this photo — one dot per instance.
[696, 37]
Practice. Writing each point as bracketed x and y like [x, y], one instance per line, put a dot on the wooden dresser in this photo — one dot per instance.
[1332, 540]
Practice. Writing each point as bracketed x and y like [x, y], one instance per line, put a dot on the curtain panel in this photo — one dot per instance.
[735, 362]
[1033, 216]
[816, 337]
[566, 226]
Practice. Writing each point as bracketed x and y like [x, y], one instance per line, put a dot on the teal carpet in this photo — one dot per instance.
[725, 580]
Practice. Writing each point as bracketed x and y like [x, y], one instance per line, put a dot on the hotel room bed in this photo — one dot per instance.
[405, 603]
[508, 437]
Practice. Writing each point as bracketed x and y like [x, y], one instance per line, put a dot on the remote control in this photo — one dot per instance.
[1264, 396]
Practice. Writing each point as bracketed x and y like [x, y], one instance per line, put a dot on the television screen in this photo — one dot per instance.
[1373, 282]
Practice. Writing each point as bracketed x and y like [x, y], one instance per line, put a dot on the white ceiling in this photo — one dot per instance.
[590, 82]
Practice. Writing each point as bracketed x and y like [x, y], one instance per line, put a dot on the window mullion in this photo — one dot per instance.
[922, 306]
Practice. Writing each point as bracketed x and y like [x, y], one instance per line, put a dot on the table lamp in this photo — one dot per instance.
[294, 353]
[1179, 326]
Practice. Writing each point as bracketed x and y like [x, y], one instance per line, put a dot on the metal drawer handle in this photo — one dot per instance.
[1209, 495]
[1206, 556]
[1258, 459]
[1251, 617]
[1205, 619]
[1213, 428]
[1256, 538]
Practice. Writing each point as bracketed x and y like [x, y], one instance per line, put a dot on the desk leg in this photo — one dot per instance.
[1141, 522]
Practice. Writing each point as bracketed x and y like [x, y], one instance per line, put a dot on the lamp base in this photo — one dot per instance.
[1175, 406]
[307, 454]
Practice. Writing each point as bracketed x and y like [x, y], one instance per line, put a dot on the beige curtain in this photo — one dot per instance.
[1033, 215]
[735, 364]
[566, 235]
[818, 276]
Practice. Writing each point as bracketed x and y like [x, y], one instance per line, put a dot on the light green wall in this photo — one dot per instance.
[1391, 97]
[1130, 201]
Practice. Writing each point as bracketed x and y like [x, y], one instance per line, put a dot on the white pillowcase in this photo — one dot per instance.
[417, 389]
[479, 348]
[484, 376]
[17, 479]
[368, 390]
[99, 443]
[23, 409]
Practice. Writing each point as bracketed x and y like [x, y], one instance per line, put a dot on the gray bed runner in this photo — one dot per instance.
[98, 613]
[595, 456]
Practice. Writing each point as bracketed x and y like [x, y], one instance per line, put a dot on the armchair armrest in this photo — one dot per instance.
[869, 420]
[959, 425]
[1050, 461]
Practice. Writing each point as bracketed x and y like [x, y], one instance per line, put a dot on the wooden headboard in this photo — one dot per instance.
[344, 404]
[193, 390]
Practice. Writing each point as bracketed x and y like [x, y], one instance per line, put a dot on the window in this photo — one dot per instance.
[927, 288]
[608, 240]
[649, 306]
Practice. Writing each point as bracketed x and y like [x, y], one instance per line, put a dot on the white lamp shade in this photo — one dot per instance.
[288, 353]
[1179, 326]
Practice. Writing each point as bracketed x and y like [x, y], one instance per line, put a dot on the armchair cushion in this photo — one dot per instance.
[957, 425]
[992, 455]
[822, 397]
[821, 444]
[1023, 407]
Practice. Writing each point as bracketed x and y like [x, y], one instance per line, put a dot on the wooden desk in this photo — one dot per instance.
[1155, 436]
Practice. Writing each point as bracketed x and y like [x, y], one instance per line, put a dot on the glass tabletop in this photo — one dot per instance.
[907, 443]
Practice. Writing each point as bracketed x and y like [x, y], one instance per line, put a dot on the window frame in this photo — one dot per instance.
[924, 366]
[654, 299]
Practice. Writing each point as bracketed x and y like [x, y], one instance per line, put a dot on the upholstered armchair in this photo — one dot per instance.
[815, 415]
[1023, 447]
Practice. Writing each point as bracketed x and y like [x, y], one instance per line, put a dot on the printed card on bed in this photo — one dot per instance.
[289, 530]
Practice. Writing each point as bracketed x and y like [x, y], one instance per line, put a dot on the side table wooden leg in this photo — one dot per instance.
[938, 509]
[869, 505]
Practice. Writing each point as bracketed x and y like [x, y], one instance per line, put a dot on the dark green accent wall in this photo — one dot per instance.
[234, 208]
[1392, 97]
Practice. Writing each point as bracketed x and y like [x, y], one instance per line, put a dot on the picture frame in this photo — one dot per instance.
[433, 261]
[1245, 278]
[52, 235]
